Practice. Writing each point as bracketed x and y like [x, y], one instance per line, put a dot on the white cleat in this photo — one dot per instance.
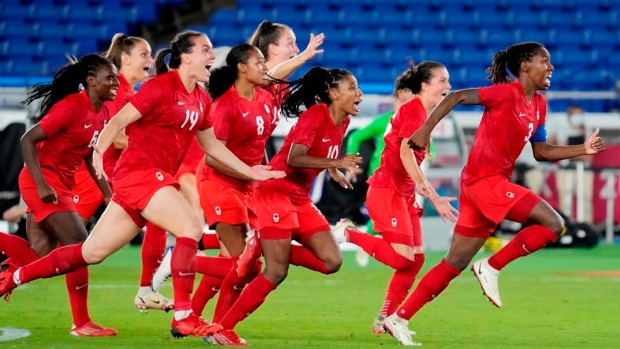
[399, 330]
[153, 300]
[487, 277]
[339, 230]
[163, 272]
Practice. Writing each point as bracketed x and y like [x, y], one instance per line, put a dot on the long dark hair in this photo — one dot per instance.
[311, 89]
[266, 34]
[415, 75]
[120, 44]
[510, 59]
[69, 79]
[182, 43]
[224, 77]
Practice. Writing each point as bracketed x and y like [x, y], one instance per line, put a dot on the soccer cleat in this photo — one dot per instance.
[7, 284]
[377, 325]
[153, 300]
[487, 277]
[90, 329]
[251, 252]
[340, 230]
[399, 330]
[228, 338]
[190, 326]
[163, 272]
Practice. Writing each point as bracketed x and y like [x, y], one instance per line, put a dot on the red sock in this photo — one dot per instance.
[77, 285]
[153, 247]
[528, 240]
[60, 261]
[183, 266]
[210, 241]
[207, 289]
[432, 284]
[17, 249]
[400, 285]
[214, 266]
[231, 289]
[253, 296]
[380, 249]
[303, 257]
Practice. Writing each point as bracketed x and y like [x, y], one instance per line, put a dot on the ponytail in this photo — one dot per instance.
[160, 61]
[497, 71]
[120, 44]
[224, 77]
[182, 43]
[266, 34]
[413, 77]
[510, 60]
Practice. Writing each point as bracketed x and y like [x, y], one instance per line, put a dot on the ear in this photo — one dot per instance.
[125, 60]
[525, 66]
[273, 50]
[242, 68]
[333, 94]
[91, 80]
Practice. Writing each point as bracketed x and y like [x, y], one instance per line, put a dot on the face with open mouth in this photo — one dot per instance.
[105, 82]
[138, 63]
[439, 85]
[201, 58]
[349, 95]
[286, 47]
[541, 69]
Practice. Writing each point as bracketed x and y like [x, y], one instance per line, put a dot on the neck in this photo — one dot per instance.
[95, 101]
[245, 89]
[529, 88]
[338, 115]
[188, 81]
[428, 105]
[132, 80]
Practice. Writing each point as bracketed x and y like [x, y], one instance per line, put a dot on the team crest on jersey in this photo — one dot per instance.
[76, 198]
[267, 109]
[510, 195]
[276, 218]
[218, 211]
[394, 222]
[159, 176]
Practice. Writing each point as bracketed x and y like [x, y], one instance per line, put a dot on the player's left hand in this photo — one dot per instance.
[340, 178]
[313, 46]
[98, 164]
[594, 144]
[264, 172]
[443, 207]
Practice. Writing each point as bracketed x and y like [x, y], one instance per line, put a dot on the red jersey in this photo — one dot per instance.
[170, 119]
[391, 173]
[508, 122]
[245, 126]
[316, 130]
[111, 156]
[72, 126]
[194, 154]
[279, 91]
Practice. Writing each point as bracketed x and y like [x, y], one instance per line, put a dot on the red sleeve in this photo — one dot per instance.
[413, 116]
[494, 96]
[306, 128]
[58, 118]
[205, 107]
[223, 119]
[149, 96]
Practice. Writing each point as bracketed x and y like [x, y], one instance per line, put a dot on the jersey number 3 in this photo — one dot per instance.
[530, 129]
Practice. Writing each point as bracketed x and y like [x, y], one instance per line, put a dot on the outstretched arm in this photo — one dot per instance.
[286, 68]
[548, 152]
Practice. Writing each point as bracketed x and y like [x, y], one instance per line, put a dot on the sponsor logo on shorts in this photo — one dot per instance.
[276, 218]
[76, 198]
[394, 222]
[159, 176]
[218, 211]
[510, 195]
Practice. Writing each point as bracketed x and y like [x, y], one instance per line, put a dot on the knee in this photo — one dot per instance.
[191, 229]
[333, 263]
[93, 256]
[458, 262]
[276, 273]
[556, 225]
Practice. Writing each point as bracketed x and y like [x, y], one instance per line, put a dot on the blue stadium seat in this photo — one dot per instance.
[571, 38]
[60, 49]
[48, 29]
[225, 17]
[529, 19]
[31, 67]
[604, 20]
[51, 12]
[15, 28]
[499, 39]
[6, 67]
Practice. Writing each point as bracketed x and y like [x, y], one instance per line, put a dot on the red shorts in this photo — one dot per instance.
[40, 209]
[134, 191]
[225, 203]
[485, 203]
[86, 194]
[396, 217]
[279, 218]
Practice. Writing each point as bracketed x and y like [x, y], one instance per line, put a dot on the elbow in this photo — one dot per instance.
[540, 157]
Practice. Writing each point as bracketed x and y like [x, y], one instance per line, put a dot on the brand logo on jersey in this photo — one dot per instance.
[180, 103]
[267, 109]
[325, 140]
[510, 195]
[522, 114]
[76, 198]
[159, 176]
[218, 211]
[276, 218]
[245, 114]
[87, 125]
[394, 222]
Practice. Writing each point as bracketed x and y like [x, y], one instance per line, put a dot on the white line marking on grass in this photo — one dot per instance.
[10, 333]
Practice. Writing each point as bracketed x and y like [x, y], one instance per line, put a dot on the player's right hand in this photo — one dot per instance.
[349, 162]
[47, 194]
[264, 172]
[443, 207]
[313, 46]
[98, 164]
[421, 139]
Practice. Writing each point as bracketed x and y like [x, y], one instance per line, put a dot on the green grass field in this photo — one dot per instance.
[550, 301]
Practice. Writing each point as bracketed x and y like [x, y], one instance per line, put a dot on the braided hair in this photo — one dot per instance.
[69, 79]
[510, 59]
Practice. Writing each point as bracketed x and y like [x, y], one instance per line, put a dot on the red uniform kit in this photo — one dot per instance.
[487, 197]
[391, 194]
[86, 195]
[72, 127]
[245, 126]
[159, 140]
[285, 203]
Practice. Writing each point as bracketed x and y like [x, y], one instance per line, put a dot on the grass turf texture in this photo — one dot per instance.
[550, 301]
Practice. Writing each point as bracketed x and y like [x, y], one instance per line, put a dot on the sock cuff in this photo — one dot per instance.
[189, 242]
[263, 281]
[548, 233]
[452, 270]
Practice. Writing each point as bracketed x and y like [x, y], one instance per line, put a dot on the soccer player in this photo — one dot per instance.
[163, 116]
[285, 210]
[53, 149]
[391, 198]
[515, 113]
